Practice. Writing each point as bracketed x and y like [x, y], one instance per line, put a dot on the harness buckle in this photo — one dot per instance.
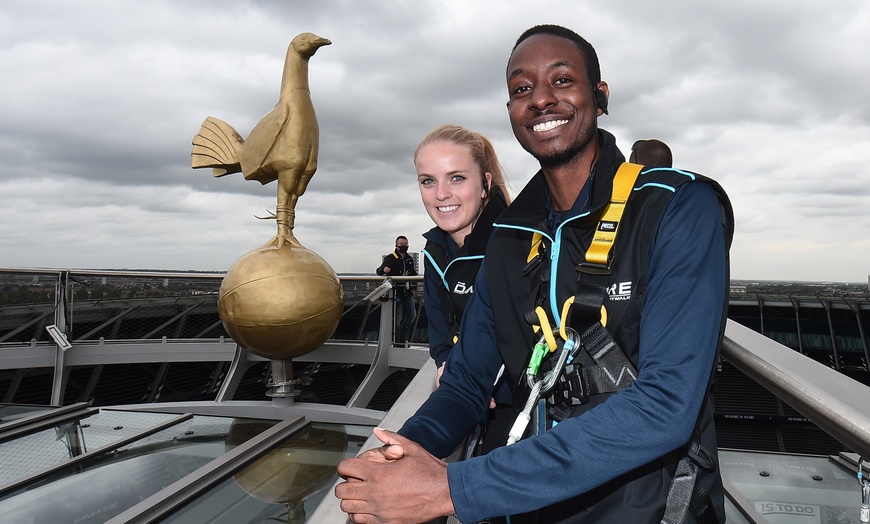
[593, 268]
[572, 388]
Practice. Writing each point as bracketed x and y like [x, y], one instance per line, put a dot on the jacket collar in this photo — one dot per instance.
[475, 242]
[530, 208]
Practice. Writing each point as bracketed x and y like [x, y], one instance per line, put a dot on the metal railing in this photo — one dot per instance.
[139, 317]
[831, 400]
[834, 402]
[148, 305]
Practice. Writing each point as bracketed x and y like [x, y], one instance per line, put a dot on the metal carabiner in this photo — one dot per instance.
[569, 348]
[539, 386]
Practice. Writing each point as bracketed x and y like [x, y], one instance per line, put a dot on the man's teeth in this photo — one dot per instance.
[546, 126]
[447, 209]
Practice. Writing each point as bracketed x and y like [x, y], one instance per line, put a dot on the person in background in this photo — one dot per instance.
[400, 264]
[651, 153]
[463, 190]
[607, 440]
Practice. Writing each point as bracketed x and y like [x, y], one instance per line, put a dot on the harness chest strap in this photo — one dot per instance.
[612, 371]
[604, 367]
[599, 252]
[599, 255]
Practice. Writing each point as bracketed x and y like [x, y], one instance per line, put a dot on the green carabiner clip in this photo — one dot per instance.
[537, 357]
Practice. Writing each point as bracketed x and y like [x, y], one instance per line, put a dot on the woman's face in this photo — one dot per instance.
[451, 185]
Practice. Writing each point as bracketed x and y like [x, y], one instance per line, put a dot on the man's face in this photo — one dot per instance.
[551, 104]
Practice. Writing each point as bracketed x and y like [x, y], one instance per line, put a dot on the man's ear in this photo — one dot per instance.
[602, 95]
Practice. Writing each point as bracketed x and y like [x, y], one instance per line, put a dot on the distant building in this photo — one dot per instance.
[738, 288]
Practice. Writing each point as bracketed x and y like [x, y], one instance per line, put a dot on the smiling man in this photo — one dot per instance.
[639, 324]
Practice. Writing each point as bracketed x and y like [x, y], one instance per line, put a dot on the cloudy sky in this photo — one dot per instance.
[99, 101]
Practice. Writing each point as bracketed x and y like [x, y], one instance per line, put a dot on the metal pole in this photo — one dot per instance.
[761, 314]
[57, 384]
[827, 305]
[856, 307]
[797, 322]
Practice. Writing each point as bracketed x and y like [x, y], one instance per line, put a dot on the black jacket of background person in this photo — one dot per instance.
[400, 266]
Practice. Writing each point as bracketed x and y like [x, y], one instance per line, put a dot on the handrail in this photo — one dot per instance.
[834, 402]
[194, 275]
[116, 272]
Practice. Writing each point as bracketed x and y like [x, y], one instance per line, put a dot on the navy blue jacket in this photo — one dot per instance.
[448, 281]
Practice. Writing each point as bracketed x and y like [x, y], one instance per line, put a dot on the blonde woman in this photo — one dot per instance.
[463, 191]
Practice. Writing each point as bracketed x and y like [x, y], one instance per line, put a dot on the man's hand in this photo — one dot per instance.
[400, 483]
[386, 453]
[386, 270]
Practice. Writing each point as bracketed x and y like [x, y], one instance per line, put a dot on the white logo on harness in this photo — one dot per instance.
[619, 291]
[607, 226]
[461, 289]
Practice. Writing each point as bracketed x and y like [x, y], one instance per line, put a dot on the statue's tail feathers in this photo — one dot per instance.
[217, 146]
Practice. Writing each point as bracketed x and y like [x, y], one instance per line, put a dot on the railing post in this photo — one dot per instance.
[417, 311]
[797, 322]
[827, 305]
[856, 307]
[231, 382]
[61, 300]
[380, 368]
[760, 314]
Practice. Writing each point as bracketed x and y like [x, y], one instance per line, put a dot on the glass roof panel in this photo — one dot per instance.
[103, 486]
[284, 485]
[30, 454]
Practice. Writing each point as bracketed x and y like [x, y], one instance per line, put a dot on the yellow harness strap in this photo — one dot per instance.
[544, 324]
[602, 243]
[537, 238]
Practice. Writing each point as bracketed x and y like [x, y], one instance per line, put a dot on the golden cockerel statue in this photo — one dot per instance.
[283, 146]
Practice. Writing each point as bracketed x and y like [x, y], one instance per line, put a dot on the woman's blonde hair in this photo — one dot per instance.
[481, 151]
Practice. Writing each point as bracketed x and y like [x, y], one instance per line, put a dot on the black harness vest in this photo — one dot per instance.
[457, 275]
[529, 285]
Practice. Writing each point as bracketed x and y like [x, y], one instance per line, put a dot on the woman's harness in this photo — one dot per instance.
[588, 361]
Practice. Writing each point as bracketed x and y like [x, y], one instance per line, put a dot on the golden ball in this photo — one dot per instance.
[280, 303]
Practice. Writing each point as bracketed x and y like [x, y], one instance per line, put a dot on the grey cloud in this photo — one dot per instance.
[100, 102]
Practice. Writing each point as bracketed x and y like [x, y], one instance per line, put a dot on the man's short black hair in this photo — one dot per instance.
[400, 237]
[593, 69]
